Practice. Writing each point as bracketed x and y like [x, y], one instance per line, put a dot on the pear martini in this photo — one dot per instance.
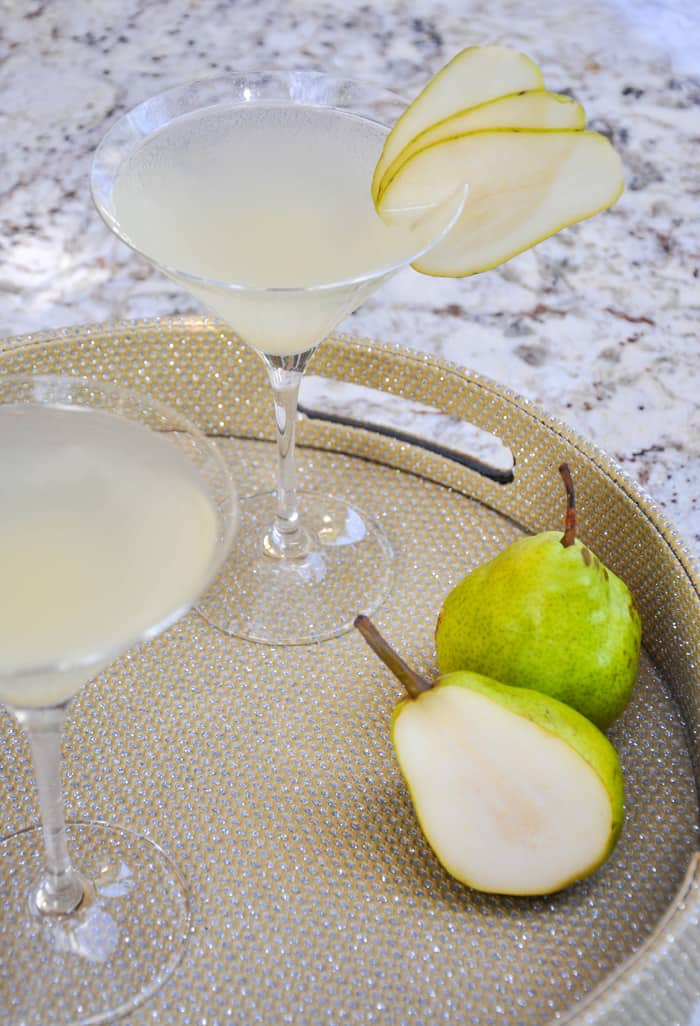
[116, 513]
[282, 201]
[254, 194]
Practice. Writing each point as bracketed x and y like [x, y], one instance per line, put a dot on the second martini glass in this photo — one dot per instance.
[116, 513]
[253, 192]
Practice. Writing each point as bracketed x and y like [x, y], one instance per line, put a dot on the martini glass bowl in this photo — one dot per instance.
[116, 513]
[253, 193]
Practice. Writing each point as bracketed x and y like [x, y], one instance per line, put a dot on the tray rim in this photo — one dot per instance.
[683, 913]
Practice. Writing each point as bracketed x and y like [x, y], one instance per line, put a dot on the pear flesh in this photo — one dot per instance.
[473, 76]
[524, 186]
[550, 617]
[533, 108]
[515, 792]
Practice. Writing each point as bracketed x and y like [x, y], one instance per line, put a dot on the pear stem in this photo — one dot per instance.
[413, 682]
[570, 520]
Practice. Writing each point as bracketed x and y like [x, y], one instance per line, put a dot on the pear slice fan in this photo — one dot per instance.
[531, 108]
[515, 792]
[530, 167]
[474, 76]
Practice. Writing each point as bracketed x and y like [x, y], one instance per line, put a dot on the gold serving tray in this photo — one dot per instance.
[268, 774]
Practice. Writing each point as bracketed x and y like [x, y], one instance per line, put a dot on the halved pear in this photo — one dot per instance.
[515, 792]
[524, 185]
[473, 76]
[533, 108]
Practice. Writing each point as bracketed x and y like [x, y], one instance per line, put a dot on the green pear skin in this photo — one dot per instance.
[549, 617]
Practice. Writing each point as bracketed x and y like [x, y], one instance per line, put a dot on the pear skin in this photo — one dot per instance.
[548, 616]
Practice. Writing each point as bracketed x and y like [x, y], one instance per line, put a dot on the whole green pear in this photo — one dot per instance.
[515, 792]
[546, 614]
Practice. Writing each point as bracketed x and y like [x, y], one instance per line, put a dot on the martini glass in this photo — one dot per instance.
[253, 193]
[99, 488]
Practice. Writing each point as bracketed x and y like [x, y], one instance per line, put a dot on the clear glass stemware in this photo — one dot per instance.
[253, 193]
[116, 514]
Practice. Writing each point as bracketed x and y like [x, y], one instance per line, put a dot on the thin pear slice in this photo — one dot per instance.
[524, 185]
[473, 76]
[515, 792]
[533, 108]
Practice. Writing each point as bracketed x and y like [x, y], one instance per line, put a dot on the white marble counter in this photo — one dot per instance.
[597, 325]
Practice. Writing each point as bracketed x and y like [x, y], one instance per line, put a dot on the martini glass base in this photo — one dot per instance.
[347, 570]
[111, 954]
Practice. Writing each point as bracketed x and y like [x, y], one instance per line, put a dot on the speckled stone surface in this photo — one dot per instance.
[598, 325]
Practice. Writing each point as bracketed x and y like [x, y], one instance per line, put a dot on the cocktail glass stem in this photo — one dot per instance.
[286, 538]
[60, 889]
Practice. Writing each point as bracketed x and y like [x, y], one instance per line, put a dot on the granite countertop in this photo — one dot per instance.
[598, 325]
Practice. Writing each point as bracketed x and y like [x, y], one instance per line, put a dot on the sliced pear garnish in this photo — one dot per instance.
[475, 75]
[524, 185]
[533, 108]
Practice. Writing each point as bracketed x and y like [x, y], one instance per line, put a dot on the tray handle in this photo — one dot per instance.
[451, 394]
[359, 406]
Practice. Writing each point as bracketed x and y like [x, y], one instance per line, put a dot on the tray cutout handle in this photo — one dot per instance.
[388, 414]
